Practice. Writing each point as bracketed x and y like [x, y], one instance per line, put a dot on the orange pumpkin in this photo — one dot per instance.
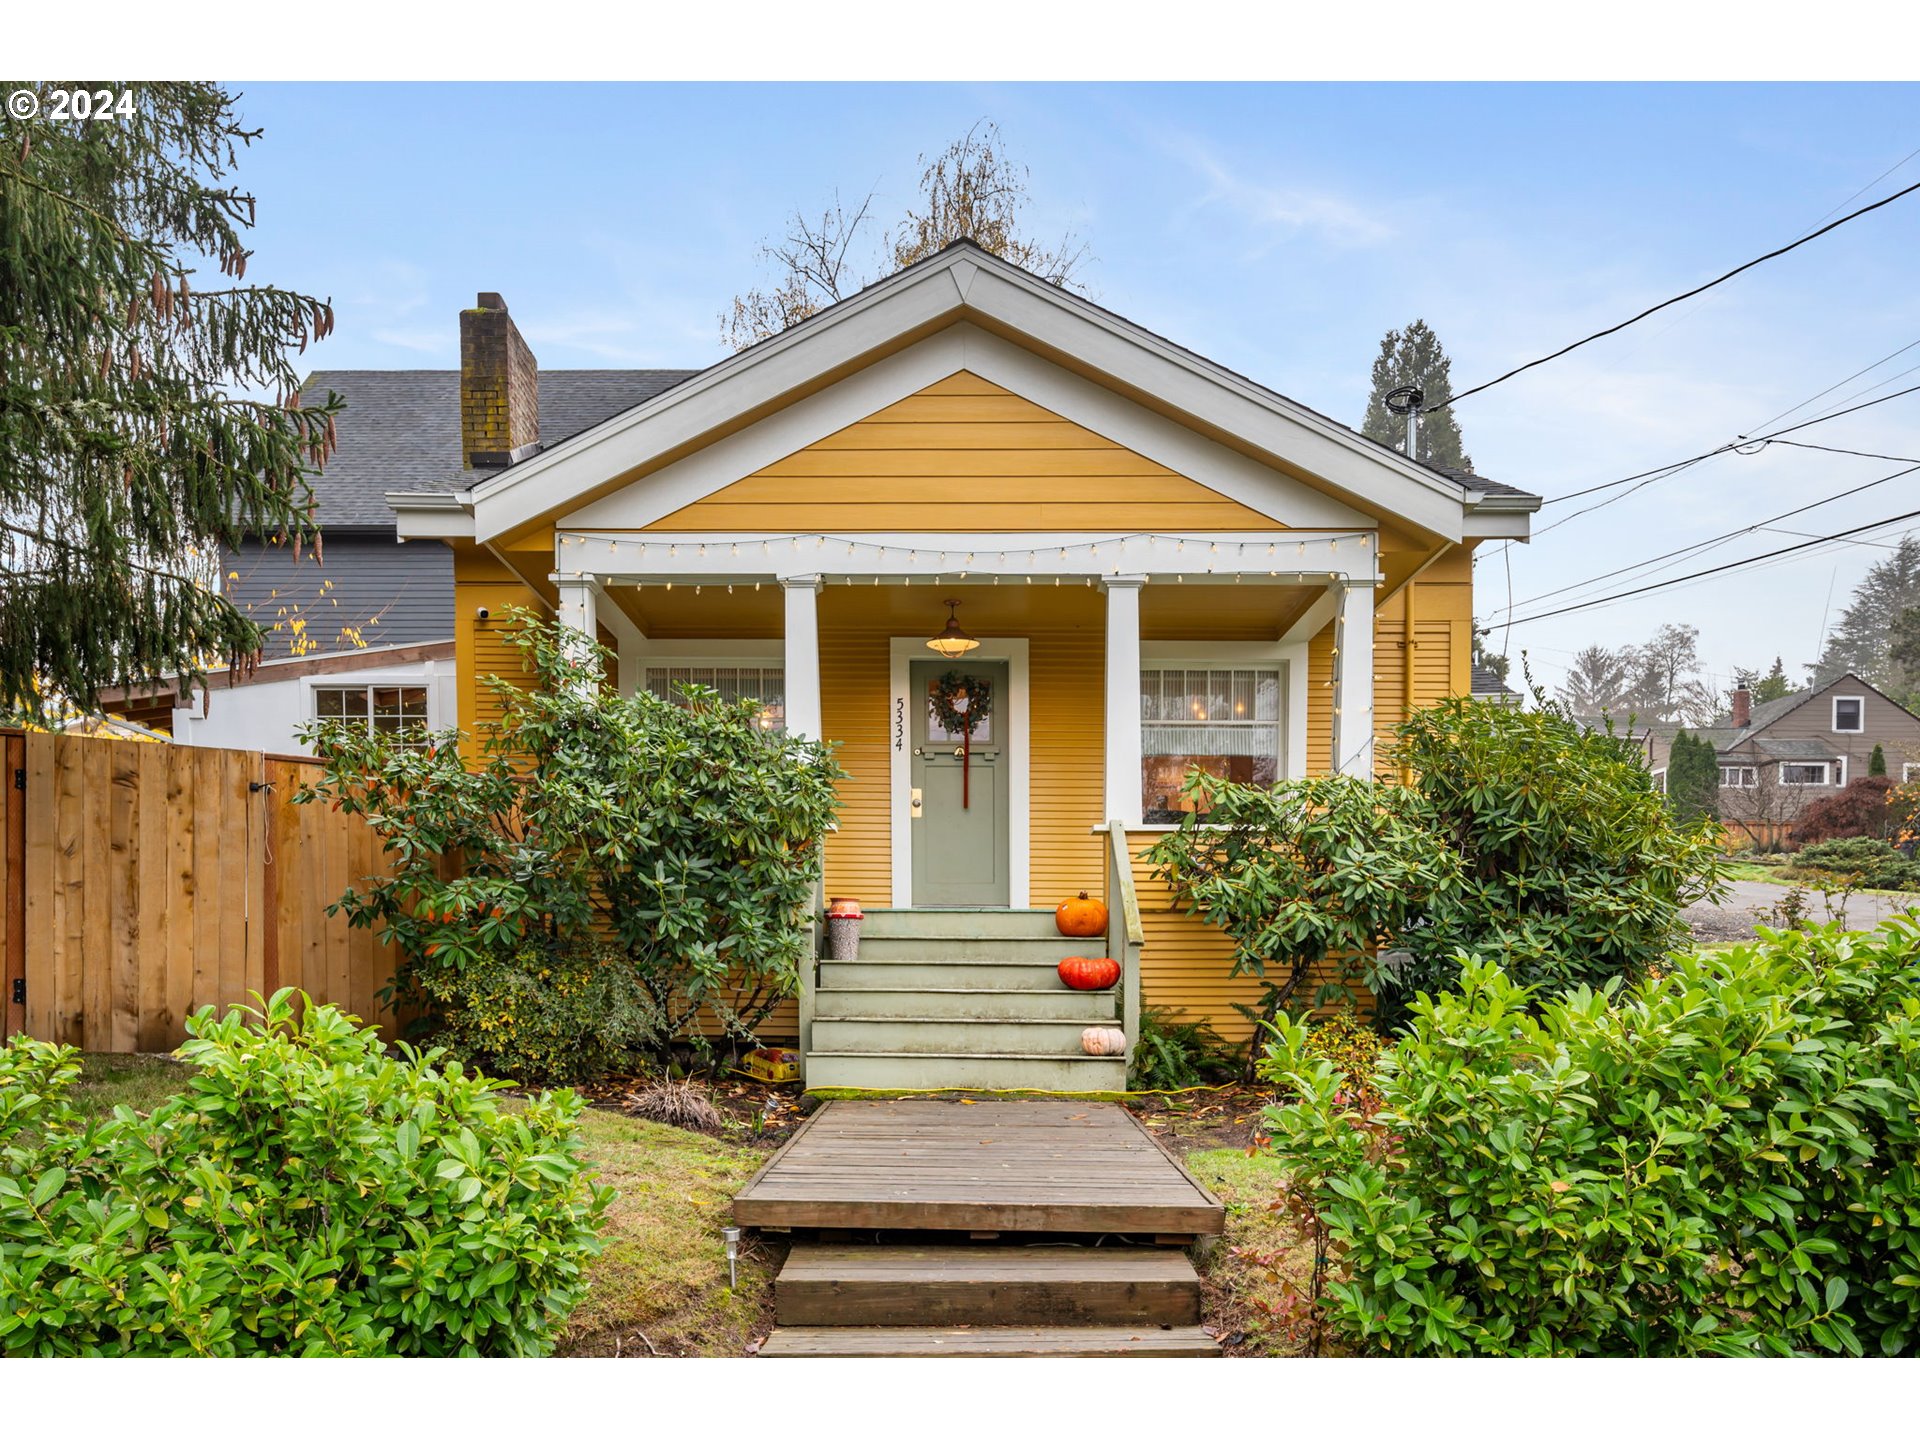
[1081, 916]
[1080, 972]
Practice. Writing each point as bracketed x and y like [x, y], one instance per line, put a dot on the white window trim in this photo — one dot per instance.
[1834, 714]
[425, 676]
[1908, 770]
[1826, 774]
[1660, 781]
[1750, 783]
[1225, 655]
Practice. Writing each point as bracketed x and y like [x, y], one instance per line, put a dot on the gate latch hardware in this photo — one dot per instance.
[19, 992]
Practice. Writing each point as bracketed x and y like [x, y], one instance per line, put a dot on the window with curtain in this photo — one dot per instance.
[1225, 721]
[765, 683]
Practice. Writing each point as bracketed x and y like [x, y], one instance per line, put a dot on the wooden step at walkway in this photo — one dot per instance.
[1059, 1167]
[1083, 1342]
[997, 1285]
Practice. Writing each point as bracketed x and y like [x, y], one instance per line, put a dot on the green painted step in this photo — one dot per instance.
[1059, 1003]
[948, 1035]
[1064, 1342]
[1027, 949]
[896, 1070]
[942, 975]
[951, 924]
[947, 1285]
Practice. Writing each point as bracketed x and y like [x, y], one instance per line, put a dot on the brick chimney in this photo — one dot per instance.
[1742, 707]
[499, 387]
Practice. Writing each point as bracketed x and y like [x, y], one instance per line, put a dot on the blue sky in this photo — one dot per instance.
[1278, 229]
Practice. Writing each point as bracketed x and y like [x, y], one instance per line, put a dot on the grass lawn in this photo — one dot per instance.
[660, 1286]
[1234, 1288]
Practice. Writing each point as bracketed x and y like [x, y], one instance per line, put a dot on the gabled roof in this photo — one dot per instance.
[964, 283]
[1487, 682]
[401, 430]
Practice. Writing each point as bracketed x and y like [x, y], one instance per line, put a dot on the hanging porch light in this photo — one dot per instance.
[952, 642]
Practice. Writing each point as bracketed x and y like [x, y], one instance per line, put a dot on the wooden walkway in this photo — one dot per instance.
[1058, 1167]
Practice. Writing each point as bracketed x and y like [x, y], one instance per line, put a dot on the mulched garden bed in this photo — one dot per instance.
[762, 1116]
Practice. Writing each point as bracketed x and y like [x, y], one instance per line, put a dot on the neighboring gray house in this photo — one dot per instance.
[364, 629]
[1778, 757]
[1488, 686]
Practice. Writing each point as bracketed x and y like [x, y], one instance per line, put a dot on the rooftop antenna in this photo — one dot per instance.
[1406, 400]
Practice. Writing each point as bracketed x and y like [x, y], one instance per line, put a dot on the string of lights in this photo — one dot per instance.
[1103, 555]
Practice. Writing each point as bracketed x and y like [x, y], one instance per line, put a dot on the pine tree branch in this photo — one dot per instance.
[80, 548]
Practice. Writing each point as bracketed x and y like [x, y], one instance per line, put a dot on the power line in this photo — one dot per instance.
[1699, 545]
[1701, 574]
[1686, 295]
[1664, 472]
[1838, 383]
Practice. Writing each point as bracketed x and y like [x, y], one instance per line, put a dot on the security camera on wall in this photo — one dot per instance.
[483, 613]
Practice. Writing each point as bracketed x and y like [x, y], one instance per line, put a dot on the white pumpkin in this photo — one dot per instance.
[1103, 1040]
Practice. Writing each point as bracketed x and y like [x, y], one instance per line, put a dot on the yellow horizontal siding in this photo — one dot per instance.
[965, 454]
[853, 707]
[1067, 704]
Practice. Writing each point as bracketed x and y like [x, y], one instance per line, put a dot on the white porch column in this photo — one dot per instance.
[803, 655]
[577, 607]
[1353, 680]
[1123, 697]
[629, 645]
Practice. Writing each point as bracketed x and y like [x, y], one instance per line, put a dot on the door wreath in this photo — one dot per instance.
[962, 702]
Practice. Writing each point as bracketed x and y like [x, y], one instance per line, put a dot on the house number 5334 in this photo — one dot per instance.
[899, 722]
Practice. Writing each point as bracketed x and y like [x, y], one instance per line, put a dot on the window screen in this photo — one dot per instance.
[1223, 721]
[765, 683]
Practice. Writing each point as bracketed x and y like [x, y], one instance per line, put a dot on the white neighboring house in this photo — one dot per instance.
[390, 687]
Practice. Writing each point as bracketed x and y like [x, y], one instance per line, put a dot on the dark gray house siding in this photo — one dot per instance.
[366, 590]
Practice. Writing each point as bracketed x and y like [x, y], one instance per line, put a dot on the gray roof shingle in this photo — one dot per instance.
[401, 429]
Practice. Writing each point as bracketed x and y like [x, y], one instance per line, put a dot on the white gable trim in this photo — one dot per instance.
[960, 348]
[954, 284]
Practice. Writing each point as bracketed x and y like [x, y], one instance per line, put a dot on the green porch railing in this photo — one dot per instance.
[1126, 937]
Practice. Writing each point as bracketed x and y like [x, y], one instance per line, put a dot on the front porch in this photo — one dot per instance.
[1113, 663]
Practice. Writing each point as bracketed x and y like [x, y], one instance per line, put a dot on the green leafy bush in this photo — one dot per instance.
[1723, 1158]
[1522, 837]
[1878, 864]
[307, 1195]
[1308, 877]
[658, 859]
[1351, 1047]
[548, 1013]
[1176, 1054]
[1572, 869]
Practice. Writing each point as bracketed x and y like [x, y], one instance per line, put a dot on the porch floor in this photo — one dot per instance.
[1057, 1167]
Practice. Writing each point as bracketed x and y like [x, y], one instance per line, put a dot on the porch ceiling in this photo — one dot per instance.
[1168, 610]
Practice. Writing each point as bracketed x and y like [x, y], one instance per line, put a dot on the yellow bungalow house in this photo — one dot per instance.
[1163, 563]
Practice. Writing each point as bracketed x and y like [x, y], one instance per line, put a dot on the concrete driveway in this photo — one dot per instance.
[1748, 902]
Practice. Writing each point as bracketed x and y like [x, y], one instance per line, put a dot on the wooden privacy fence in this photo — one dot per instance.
[143, 881]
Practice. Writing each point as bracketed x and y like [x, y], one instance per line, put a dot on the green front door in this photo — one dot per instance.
[960, 849]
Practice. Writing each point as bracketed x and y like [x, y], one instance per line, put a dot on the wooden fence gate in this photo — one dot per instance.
[143, 881]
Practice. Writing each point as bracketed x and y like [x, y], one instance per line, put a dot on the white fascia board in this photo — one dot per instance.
[921, 296]
[1302, 557]
[1498, 525]
[965, 347]
[1351, 463]
[760, 376]
[431, 515]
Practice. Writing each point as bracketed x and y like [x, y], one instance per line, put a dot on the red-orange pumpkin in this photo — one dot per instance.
[1080, 972]
[1081, 916]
